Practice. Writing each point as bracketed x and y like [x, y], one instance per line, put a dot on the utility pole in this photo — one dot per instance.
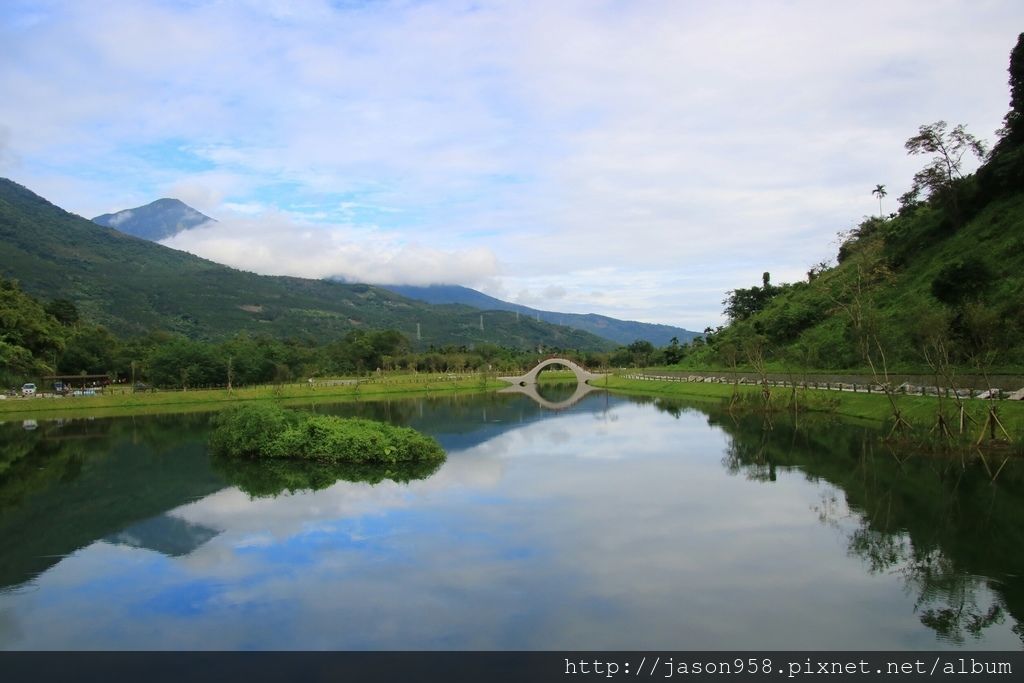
[481, 322]
[418, 337]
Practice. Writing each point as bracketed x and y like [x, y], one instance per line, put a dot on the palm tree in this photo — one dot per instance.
[880, 192]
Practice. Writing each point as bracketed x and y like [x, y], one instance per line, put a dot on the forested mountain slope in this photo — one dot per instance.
[940, 283]
[619, 331]
[133, 286]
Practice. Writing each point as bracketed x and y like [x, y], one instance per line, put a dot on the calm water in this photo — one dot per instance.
[619, 523]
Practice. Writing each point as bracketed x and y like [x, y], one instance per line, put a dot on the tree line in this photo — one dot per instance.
[52, 338]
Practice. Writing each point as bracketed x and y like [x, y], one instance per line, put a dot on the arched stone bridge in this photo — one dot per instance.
[582, 374]
[527, 384]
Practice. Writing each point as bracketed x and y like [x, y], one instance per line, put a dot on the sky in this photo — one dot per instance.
[636, 158]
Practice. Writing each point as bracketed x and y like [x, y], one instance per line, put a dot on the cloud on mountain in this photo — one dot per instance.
[641, 138]
[276, 244]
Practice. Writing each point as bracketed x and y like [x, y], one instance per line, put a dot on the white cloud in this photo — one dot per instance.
[648, 139]
[120, 217]
[5, 147]
[277, 244]
[205, 193]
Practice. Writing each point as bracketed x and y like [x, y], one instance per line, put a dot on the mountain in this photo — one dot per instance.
[155, 221]
[134, 286]
[918, 288]
[619, 331]
[934, 287]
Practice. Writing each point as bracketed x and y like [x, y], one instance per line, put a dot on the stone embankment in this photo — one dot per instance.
[905, 388]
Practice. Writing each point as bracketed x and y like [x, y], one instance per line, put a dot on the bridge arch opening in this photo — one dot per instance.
[527, 384]
[556, 382]
[529, 380]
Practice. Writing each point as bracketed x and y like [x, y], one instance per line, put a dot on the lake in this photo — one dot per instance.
[619, 523]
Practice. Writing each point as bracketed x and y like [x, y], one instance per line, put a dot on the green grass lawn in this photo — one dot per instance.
[115, 402]
[919, 411]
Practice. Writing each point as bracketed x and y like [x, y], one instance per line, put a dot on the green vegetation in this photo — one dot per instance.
[28, 334]
[38, 340]
[934, 288]
[122, 401]
[268, 431]
[920, 412]
[619, 331]
[134, 287]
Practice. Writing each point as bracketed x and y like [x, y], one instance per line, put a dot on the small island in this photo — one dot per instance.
[259, 431]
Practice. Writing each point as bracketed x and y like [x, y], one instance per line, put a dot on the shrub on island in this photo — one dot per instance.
[262, 430]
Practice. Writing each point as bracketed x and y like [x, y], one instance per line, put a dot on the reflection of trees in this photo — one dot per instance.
[556, 391]
[56, 452]
[69, 483]
[947, 597]
[269, 478]
[954, 537]
[447, 413]
[752, 458]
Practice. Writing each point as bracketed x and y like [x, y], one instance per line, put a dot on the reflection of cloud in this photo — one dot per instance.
[563, 533]
[288, 514]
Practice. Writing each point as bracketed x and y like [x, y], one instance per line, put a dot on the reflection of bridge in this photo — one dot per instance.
[527, 384]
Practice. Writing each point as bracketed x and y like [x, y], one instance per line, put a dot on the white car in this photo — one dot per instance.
[28, 389]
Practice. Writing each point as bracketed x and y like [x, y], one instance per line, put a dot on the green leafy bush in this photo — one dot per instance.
[269, 431]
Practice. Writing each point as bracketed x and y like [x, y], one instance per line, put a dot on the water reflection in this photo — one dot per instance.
[270, 478]
[553, 396]
[70, 483]
[617, 523]
[951, 534]
[167, 535]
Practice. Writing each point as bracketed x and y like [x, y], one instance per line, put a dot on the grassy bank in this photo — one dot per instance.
[143, 403]
[787, 368]
[1007, 379]
[919, 411]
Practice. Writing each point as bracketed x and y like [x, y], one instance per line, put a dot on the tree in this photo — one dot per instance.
[89, 350]
[1011, 135]
[64, 311]
[948, 148]
[641, 351]
[25, 323]
[743, 303]
[673, 352]
[879, 192]
[965, 279]
[1004, 171]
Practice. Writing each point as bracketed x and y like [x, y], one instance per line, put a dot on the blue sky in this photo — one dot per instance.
[636, 159]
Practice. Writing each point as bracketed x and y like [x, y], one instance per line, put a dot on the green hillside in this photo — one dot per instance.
[619, 331]
[133, 286]
[906, 290]
[937, 286]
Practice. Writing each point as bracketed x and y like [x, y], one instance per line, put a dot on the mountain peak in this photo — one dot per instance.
[155, 221]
